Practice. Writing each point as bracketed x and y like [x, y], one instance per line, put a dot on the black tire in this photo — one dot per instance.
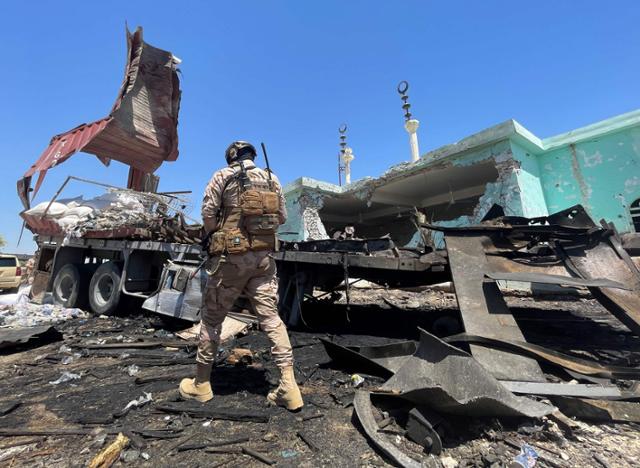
[104, 290]
[70, 286]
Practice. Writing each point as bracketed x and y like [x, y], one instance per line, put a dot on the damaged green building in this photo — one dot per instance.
[597, 166]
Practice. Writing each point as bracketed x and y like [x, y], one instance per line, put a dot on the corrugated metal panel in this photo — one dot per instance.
[42, 226]
[63, 146]
[141, 129]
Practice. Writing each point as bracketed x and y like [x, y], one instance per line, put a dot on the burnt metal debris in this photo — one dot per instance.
[449, 380]
[14, 338]
[484, 311]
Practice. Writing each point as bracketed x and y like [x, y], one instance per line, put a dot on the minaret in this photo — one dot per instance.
[344, 157]
[410, 125]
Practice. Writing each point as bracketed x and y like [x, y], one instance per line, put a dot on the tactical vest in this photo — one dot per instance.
[251, 222]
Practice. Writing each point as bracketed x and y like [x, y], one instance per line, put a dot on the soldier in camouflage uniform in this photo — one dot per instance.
[242, 208]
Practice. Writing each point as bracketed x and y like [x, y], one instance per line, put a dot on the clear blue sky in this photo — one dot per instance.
[289, 73]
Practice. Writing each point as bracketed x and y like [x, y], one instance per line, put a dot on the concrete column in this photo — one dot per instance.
[411, 126]
[347, 157]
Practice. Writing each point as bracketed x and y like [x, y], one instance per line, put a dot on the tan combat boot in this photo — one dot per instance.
[198, 388]
[287, 394]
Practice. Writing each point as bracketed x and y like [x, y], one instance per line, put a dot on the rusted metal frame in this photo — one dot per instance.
[624, 305]
[616, 243]
[361, 261]
[365, 246]
[108, 186]
[483, 309]
[118, 245]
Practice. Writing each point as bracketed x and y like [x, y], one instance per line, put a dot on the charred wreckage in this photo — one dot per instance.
[137, 243]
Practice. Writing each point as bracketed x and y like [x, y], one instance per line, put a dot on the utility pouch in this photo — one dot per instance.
[270, 202]
[262, 225]
[217, 243]
[267, 242]
[236, 242]
[251, 203]
[256, 202]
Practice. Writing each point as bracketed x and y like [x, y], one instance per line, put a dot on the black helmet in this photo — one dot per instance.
[239, 150]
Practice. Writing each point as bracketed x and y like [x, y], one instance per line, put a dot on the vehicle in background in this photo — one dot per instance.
[10, 273]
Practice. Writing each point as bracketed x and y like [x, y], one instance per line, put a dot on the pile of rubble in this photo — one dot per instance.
[111, 210]
[118, 213]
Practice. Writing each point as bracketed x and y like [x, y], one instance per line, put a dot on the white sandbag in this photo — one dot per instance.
[68, 221]
[102, 202]
[56, 210]
[79, 211]
[71, 202]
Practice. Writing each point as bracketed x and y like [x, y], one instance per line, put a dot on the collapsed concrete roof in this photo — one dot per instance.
[458, 183]
[141, 129]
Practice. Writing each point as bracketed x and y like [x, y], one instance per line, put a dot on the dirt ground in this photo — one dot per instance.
[94, 402]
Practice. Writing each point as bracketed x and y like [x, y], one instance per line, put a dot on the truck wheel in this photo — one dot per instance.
[104, 290]
[70, 286]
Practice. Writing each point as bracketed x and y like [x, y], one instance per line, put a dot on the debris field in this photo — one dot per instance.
[118, 360]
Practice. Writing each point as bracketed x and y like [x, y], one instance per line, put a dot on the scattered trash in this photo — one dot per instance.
[357, 380]
[527, 457]
[64, 349]
[26, 314]
[99, 440]
[288, 453]
[449, 462]
[133, 370]
[65, 377]
[162, 334]
[129, 456]
[141, 401]
[124, 356]
[145, 455]
[11, 452]
[206, 424]
[67, 360]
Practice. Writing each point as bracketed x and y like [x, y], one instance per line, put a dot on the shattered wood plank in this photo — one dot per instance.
[43, 432]
[216, 413]
[139, 344]
[484, 311]
[308, 440]
[258, 456]
[214, 443]
[8, 407]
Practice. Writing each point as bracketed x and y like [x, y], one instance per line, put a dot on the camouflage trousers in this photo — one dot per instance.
[252, 274]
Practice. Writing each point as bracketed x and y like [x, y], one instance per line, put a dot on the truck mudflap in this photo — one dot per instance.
[180, 292]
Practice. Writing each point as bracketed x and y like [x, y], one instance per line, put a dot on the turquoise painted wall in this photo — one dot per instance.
[602, 174]
[532, 197]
